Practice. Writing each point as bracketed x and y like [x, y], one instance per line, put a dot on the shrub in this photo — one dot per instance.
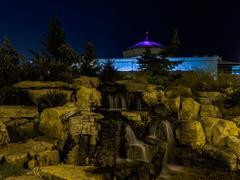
[109, 73]
[51, 99]
[202, 81]
[235, 98]
[7, 170]
[14, 96]
[17, 134]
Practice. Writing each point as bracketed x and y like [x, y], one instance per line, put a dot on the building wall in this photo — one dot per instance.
[204, 63]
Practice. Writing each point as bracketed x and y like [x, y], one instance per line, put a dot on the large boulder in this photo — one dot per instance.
[19, 154]
[73, 156]
[217, 129]
[189, 109]
[140, 118]
[69, 172]
[152, 96]
[204, 101]
[236, 120]
[233, 144]
[47, 158]
[178, 91]
[226, 158]
[24, 178]
[4, 137]
[210, 111]
[212, 96]
[168, 108]
[36, 94]
[208, 125]
[89, 82]
[18, 112]
[191, 133]
[42, 85]
[17, 159]
[132, 86]
[85, 124]
[51, 121]
[88, 98]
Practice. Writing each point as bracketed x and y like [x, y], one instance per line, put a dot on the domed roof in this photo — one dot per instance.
[147, 43]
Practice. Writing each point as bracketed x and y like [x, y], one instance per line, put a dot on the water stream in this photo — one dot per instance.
[133, 141]
[168, 158]
[120, 101]
[153, 131]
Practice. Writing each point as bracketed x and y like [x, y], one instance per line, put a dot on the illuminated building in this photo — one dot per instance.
[139, 48]
[210, 64]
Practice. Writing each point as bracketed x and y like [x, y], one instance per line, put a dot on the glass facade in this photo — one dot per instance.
[204, 63]
[236, 70]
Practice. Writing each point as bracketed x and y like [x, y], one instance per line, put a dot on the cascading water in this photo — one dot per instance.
[114, 101]
[153, 131]
[168, 158]
[121, 101]
[134, 142]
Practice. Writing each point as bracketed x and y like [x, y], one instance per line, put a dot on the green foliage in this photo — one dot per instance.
[202, 81]
[109, 72]
[16, 134]
[157, 67]
[9, 60]
[235, 98]
[56, 58]
[175, 44]
[51, 99]
[14, 96]
[89, 64]
[7, 170]
[54, 39]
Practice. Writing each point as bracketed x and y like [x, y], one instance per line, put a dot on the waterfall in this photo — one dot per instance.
[168, 158]
[114, 101]
[134, 142]
[153, 131]
[121, 101]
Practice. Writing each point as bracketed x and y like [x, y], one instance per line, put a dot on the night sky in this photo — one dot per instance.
[206, 27]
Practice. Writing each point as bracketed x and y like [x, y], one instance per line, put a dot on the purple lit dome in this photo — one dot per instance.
[147, 43]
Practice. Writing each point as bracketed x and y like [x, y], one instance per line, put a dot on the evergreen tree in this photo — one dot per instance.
[89, 63]
[156, 67]
[109, 72]
[9, 60]
[175, 44]
[54, 39]
[56, 58]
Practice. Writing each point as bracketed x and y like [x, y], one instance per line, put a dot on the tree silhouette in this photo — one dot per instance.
[55, 59]
[54, 39]
[9, 60]
[156, 67]
[109, 72]
[89, 63]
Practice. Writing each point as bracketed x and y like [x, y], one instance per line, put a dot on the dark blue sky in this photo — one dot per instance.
[205, 27]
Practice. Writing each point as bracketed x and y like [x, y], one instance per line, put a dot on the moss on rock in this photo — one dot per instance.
[18, 112]
[217, 129]
[88, 97]
[51, 121]
[189, 109]
[210, 111]
[191, 133]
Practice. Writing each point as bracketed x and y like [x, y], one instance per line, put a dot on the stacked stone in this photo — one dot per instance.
[108, 148]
